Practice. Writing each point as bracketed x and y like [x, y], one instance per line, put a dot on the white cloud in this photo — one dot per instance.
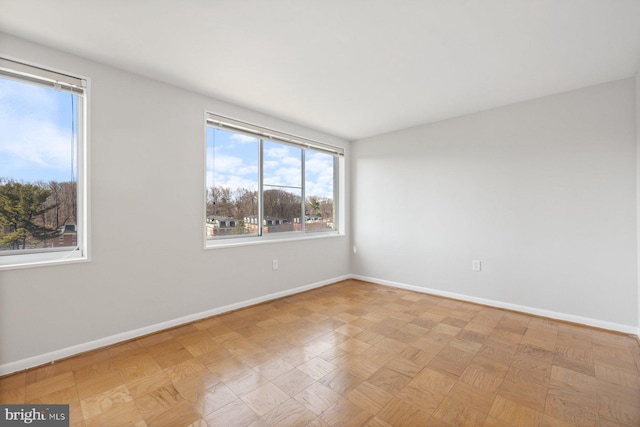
[270, 164]
[283, 176]
[243, 139]
[232, 172]
[277, 152]
[225, 164]
[33, 141]
[282, 167]
[23, 98]
[209, 178]
[292, 162]
[319, 174]
[318, 162]
[36, 142]
[321, 186]
[248, 170]
[234, 182]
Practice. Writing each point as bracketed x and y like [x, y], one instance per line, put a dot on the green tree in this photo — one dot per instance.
[313, 206]
[21, 205]
[239, 228]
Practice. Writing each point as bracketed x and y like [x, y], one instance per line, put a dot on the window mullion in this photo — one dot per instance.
[260, 186]
[336, 192]
[303, 216]
[80, 177]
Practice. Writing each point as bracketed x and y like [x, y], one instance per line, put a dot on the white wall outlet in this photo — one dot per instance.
[476, 265]
[274, 264]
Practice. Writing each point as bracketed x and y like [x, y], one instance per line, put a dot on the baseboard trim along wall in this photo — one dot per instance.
[50, 357]
[627, 329]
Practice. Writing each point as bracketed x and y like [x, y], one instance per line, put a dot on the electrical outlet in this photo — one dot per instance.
[476, 265]
[274, 264]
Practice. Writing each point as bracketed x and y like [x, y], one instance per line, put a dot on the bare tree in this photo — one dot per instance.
[281, 204]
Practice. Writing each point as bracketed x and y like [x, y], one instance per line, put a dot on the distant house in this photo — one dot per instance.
[309, 218]
[68, 236]
[312, 222]
[219, 225]
[270, 224]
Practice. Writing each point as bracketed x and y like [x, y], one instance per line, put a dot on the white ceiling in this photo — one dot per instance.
[352, 68]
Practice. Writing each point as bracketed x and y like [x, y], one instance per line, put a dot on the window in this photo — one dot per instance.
[268, 183]
[42, 165]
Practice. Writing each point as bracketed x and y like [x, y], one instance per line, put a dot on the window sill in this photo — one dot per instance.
[249, 241]
[41, 259]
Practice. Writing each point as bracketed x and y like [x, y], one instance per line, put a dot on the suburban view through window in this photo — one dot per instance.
[237, 206]
[38, 167]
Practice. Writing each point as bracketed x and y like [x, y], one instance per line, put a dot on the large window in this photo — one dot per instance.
[264, 183]
[42, 165]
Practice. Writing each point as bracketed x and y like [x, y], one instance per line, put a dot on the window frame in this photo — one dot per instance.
[36, 74]
[262, 134]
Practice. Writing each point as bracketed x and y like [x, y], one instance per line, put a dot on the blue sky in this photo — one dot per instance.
[36, 141]
[236, 164]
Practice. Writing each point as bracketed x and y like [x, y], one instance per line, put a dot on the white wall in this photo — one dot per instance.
[638, 184]
[148, 264]
[542, 192]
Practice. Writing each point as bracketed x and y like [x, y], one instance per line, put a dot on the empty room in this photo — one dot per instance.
[319, 213]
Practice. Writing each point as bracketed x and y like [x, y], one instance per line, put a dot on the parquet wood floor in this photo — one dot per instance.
[351, 354]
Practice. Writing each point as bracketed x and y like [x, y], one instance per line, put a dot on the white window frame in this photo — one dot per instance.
[263, 133]
[30, 73]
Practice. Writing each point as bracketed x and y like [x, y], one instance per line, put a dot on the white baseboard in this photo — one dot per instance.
[627, 329]
[42, 359]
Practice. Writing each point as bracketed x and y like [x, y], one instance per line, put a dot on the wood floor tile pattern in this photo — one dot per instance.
[352, 353]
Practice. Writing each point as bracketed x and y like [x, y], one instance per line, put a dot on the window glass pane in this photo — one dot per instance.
[282, 165]
[257, 185]
[282, 209]
[319, 191]
[232, 184]
[282, 196]
[38, 167]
